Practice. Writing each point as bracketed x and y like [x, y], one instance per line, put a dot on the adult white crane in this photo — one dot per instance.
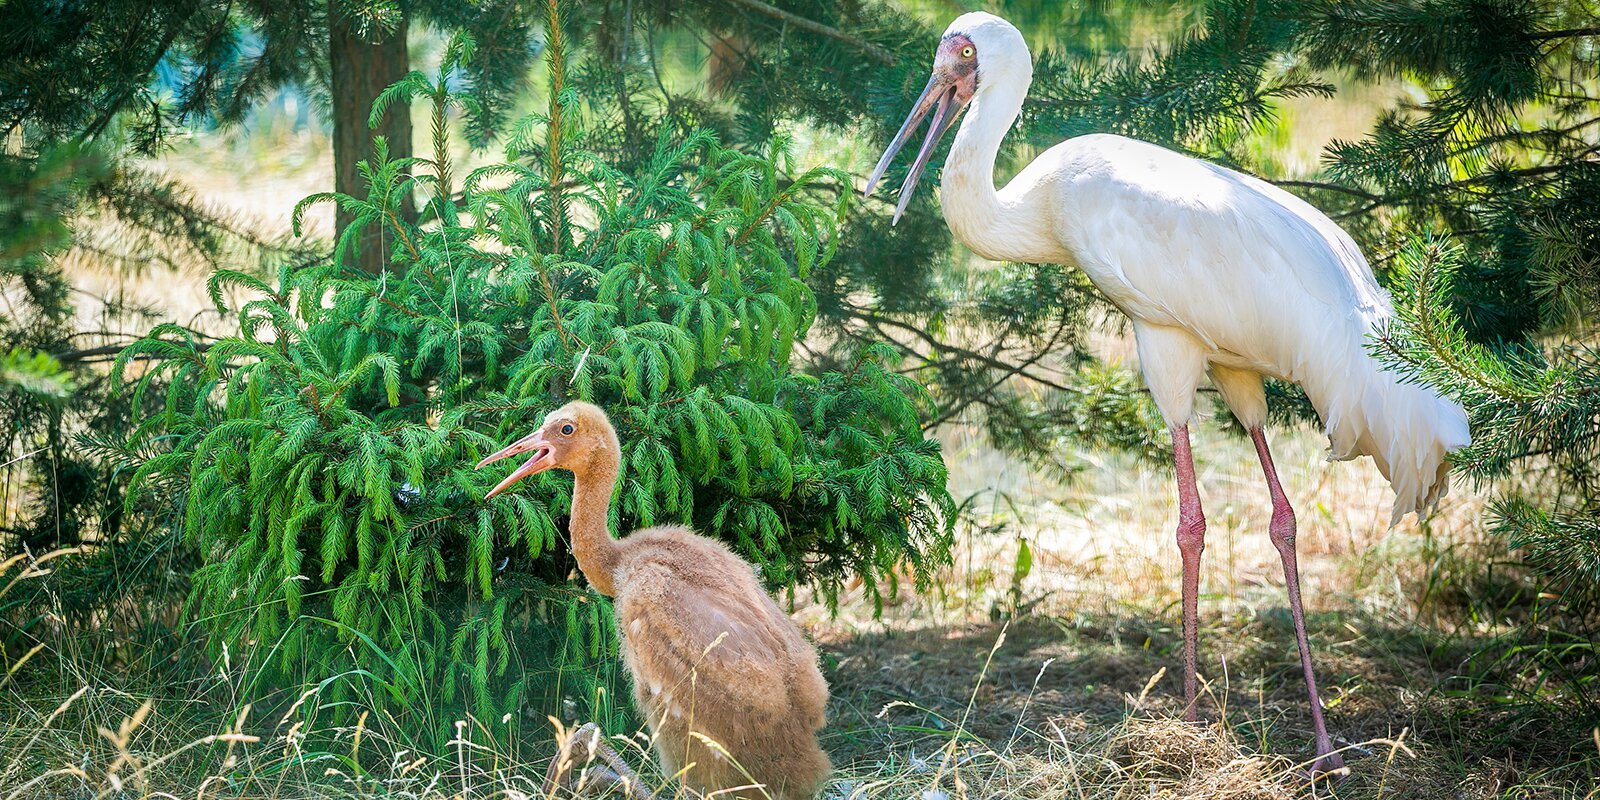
[1219, 272]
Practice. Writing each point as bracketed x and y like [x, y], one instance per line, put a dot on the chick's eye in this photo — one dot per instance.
[566, 430]
[968, 52]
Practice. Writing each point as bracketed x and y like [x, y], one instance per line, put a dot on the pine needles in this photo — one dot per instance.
[1532, 410]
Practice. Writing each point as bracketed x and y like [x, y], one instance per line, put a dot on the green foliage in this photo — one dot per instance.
[1533, 412]
[147, 70]
[322, 458]
[60, 482]
[52, 492]
[35, 374]
[39, 195]
[1203, 92]
[1500, 155]
[1532, 406]
[437, 90]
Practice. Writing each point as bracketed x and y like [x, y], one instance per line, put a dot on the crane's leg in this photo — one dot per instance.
[1173, 361]
[1191, 542]
[587, 744]
[1282, 530]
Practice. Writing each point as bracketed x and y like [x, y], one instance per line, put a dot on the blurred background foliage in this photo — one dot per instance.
[1472, 189]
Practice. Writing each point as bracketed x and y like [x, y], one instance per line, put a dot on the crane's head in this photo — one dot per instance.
[574, 437]
[976, 51]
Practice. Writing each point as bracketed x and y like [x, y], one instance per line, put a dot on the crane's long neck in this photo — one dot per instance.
[996, 226]
[597, 553]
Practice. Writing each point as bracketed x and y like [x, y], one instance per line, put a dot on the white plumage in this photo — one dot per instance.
[1219, 272]
[1225, 271]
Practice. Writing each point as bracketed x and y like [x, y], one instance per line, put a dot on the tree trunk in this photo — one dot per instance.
[359, 70]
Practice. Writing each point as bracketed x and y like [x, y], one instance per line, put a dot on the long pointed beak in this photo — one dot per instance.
[940, 92]
[534, 443]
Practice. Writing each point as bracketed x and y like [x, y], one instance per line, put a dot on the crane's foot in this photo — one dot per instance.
[574, 768]
[1329, 768]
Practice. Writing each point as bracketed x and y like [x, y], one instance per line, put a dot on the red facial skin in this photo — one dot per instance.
[961, 70]
[951, 87]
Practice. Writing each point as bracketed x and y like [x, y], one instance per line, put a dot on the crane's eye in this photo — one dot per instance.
[566, 430]
[968, 52]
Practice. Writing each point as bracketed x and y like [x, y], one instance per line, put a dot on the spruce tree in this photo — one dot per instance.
[321, 459]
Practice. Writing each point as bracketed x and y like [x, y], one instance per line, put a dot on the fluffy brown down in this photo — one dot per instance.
[710, 653]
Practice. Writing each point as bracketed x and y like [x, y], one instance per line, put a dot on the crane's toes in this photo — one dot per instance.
[573, 752]
[1329, 768]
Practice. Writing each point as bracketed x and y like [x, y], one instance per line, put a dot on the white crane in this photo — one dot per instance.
[1219, 272]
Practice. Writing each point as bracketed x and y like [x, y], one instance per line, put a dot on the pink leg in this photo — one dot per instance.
[1191, 541]
[1282, 530]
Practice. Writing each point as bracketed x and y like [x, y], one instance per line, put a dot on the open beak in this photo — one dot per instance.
[539, 462]
[941, 97]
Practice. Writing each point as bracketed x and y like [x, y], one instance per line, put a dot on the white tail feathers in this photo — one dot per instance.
[1408, 429]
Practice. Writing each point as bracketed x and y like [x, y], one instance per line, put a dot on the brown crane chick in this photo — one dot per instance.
[729, 687]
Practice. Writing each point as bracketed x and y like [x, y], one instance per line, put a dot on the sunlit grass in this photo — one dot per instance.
[951, 693]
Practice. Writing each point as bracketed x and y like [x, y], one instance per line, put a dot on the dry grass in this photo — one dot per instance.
[942, 697]
[1079, 700]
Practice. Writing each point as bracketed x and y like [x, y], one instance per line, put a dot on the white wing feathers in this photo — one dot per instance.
[1261, 279]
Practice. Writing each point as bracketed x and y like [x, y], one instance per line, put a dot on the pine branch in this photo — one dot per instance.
[1569, 33]
[96, 354]
[881, 321]
[877, 53]
[988, 391]
[1332, 187]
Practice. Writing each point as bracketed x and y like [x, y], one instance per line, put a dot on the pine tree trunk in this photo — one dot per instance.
[359, 70]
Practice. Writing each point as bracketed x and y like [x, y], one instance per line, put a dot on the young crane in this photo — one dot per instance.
[728, 686]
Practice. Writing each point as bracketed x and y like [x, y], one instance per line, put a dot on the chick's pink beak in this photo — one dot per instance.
[534, 443]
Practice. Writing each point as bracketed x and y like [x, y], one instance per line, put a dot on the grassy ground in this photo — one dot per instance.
[1057, 685]
[1076, 697]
